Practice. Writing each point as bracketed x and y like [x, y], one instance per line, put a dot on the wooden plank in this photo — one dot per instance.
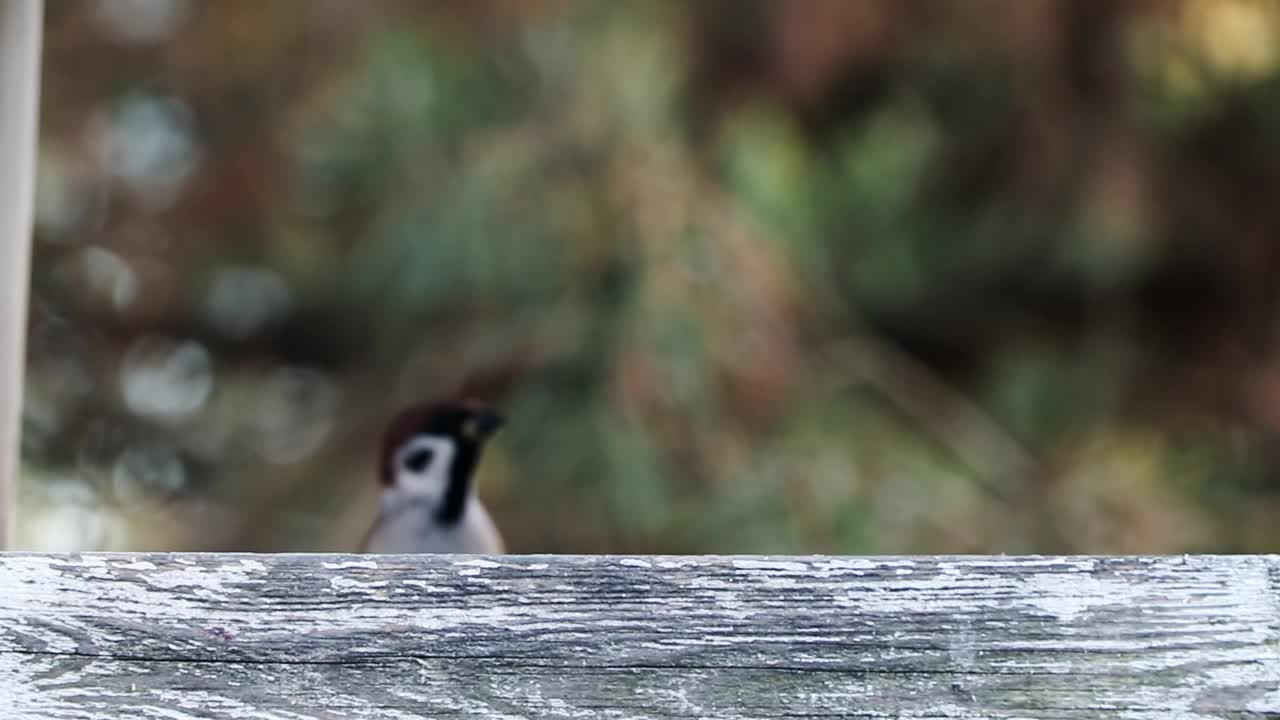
[20, 41]
[363, 636]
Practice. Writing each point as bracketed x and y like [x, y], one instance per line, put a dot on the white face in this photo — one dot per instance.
[422, 467]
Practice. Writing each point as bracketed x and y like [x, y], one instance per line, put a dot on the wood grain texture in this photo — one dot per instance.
[362, 636]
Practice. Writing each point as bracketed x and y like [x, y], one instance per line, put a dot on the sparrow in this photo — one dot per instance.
[429, 504]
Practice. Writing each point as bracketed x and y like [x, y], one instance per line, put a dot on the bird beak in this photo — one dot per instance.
[483, 424]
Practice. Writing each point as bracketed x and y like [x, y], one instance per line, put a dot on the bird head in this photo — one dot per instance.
[430, 452]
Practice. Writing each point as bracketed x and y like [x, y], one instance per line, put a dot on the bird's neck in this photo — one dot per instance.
[458, 489]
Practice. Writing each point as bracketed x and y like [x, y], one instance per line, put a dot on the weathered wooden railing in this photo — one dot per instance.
[365, 636]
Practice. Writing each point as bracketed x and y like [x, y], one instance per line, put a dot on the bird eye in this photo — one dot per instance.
[418, 460]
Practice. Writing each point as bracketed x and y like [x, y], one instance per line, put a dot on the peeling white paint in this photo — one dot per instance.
[364, 564]
[1067, 596]
[789, 566]
[424, 585]
[1266, 703]
[339, 582]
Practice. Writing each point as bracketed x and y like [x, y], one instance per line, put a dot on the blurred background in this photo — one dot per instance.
[797, 276]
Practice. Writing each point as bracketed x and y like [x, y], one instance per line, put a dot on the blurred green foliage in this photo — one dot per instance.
[964, 276]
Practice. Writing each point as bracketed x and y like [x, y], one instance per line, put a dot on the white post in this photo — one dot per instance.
[21, 28]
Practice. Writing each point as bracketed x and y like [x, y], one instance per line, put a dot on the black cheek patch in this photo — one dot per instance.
[417, 460]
